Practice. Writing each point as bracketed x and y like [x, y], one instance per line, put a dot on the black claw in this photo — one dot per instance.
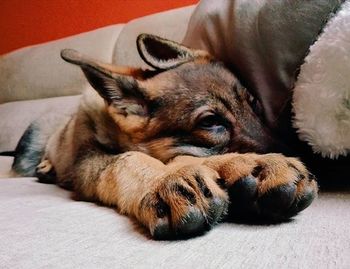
[244, 189]
[278, 200]
[302, 201]
[243, 195]
[193, 224]
[161, 232]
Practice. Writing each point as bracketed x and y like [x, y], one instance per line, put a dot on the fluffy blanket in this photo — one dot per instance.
[321, 100]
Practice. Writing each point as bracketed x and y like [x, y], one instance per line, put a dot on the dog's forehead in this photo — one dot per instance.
[211, 81]
[193, 77]
[191, 86]
[210, 73]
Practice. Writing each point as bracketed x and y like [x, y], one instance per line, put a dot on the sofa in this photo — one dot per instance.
[42, 226]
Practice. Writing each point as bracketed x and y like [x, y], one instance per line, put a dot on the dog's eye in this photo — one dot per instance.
[211, 122]
[254, 104]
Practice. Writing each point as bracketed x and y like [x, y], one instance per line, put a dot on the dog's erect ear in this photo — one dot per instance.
[114, 84]
[164, 54]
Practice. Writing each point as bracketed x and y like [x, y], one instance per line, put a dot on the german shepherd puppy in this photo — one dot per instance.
[159, 145]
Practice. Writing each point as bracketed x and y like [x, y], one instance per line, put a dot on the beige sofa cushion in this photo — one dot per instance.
[39, 72]
[15, 117]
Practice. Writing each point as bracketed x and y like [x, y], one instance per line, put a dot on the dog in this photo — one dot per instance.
[175, 148]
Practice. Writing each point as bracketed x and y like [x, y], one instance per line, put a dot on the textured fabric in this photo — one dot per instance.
[41, 226]
[321, 99]
[15, 117]
[39, 72]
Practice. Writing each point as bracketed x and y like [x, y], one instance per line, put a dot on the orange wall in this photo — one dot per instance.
[28, 22]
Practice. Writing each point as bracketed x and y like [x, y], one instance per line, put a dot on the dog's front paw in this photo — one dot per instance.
[186, 203]
[271, 185]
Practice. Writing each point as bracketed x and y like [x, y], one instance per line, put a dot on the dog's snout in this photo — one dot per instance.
[266, 145]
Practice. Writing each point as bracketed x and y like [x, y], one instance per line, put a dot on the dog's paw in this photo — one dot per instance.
[44, 167]
[45, 172]
[271, 185]
[185, 203]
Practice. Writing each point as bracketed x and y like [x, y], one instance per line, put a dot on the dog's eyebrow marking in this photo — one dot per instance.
[223, 101]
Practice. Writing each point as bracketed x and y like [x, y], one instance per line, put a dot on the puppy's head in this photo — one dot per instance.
[189, 104]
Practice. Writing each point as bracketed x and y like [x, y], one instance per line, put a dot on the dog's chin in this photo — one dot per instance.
[167, 149]
[189, 151]
[268, 146]
[280, 147]
[167, 153]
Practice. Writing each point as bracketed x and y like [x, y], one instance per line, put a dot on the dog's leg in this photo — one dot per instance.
[271, 185]
[183, 198]
[171, 201]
